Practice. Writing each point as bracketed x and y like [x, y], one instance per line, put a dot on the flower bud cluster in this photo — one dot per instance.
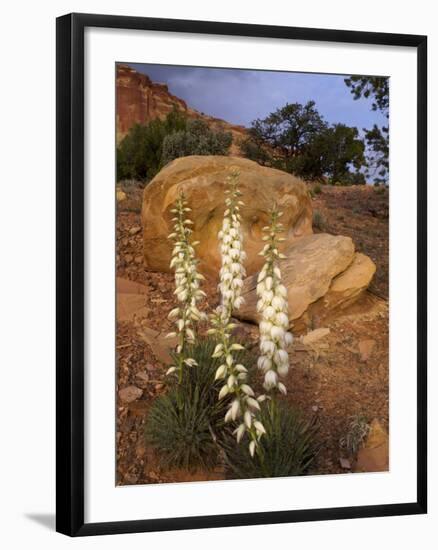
[272, 306]
[187, 283]
[232, 272]
[243, 405]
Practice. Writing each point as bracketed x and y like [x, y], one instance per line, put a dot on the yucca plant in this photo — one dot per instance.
[188, 292]
[287, 449]
[186, 426]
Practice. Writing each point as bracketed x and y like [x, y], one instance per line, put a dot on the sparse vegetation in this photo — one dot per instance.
[357, 431]
[380, 190]
[318, 220]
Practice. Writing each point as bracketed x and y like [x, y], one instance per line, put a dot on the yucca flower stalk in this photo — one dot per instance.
[273, 308]
[243, 407]
[187, 283]
[232, 272]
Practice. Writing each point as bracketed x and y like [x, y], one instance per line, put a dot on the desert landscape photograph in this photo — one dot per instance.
[252, 258]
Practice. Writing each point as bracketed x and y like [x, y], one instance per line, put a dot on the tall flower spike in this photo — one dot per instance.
[187, 283]
[243, 407]
[273, 309]
[230, 236]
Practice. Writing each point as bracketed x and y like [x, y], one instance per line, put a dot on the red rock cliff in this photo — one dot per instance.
[139, 100]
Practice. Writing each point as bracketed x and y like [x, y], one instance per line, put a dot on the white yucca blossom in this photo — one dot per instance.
[232, 272]
[243, 406]
[187, 285]
[273, 309]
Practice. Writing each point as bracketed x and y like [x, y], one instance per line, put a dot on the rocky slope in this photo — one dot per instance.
[139, 100]
[338, 371]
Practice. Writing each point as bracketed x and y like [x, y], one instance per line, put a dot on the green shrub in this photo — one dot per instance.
[139, 154]
[318, 220]
[186, 426]
[254, 150]
[351, 178]
[287, 449]
[196, 139]
[317, 189]
[380, 190]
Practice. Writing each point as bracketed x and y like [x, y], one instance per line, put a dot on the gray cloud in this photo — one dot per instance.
[240, 96]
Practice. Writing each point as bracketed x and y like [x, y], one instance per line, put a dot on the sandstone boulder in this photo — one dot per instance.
[202, 178]
[311, 264]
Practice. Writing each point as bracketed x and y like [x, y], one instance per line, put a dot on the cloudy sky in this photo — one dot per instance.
[240, 96]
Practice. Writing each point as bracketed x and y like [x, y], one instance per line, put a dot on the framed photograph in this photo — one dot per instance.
[241, 274]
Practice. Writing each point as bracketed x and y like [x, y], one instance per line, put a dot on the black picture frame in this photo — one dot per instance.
[70, 273]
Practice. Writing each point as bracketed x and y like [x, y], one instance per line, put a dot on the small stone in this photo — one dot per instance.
[159, 343]
[345, 463]
[121, 195]
[130, 479]
[142, 379]
[138, 259]
[143, 376]
[130, 394]
[366, 348]
[134, 230]
[315, 408]
[128, 258]
[315, 335]
[159, 387]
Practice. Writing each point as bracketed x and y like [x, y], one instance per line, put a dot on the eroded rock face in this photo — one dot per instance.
[140, 100]
[307, 272]
[347, 286]
[344, 290]
[202, 179]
